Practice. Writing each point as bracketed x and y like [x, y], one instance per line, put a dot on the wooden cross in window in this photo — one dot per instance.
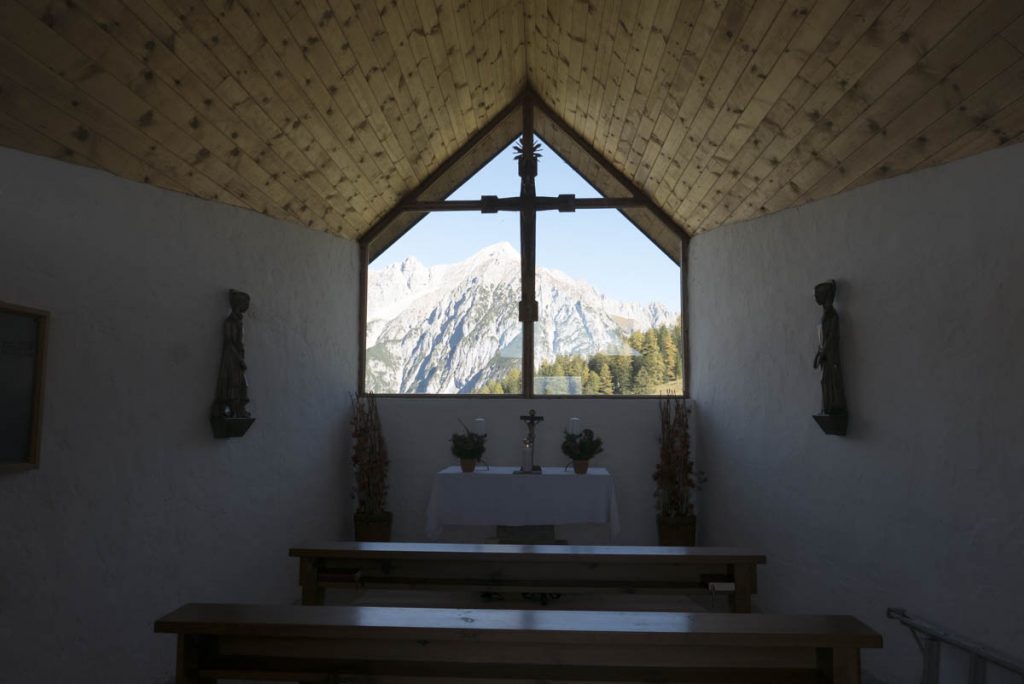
[527, 203]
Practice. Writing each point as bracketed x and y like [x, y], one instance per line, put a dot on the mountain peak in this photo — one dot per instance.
[499, 251]
[451, 327]
[410, 263]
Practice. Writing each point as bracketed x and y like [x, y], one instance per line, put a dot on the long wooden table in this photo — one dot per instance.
[526, 568]
[316, 643]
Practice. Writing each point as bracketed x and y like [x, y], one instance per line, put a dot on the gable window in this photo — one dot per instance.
[499, 290]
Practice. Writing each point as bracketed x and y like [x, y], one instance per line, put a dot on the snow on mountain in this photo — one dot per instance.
[451, 328]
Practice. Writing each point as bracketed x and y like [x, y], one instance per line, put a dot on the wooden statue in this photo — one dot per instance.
[229, 415]
[833, 416]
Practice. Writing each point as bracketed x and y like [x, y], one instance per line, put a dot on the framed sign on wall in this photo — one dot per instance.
[22, 370]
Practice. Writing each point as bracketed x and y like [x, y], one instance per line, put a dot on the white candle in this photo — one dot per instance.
[574, 426]
[527, 458]
[480, 426]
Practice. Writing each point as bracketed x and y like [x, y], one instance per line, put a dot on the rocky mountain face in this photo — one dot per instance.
[451, 328]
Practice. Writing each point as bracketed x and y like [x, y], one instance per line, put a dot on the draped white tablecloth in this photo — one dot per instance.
[499, 497]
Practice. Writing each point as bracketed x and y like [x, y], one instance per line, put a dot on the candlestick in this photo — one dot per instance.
[527, 458]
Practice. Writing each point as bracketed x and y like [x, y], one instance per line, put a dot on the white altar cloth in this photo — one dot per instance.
[499, 497]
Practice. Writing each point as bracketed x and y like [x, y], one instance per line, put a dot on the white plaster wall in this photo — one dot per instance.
[136, 508]
[920, 505]
[417, 431]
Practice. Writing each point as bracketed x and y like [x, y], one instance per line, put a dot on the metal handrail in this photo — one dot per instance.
[930, 638]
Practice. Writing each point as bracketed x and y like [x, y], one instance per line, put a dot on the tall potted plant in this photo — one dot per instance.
[370, 471]
[677, 525]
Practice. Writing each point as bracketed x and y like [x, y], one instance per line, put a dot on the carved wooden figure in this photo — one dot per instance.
[833, 417]
[229, 415]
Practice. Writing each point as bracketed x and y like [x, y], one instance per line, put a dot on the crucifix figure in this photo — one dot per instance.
[531, 421]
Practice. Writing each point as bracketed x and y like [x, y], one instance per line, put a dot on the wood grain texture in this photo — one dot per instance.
[568, 626]
[553, 553]
[302, 642]
[558, 569]
[328, 113]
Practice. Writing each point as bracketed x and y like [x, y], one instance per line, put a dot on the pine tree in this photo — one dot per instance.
[605, 382]
[654, 360]
[667, 336]
[644, 381]
[652, 363]
[622, 374]
[513, 382]
[493, 387]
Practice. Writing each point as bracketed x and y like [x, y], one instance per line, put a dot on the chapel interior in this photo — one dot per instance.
[155, 155]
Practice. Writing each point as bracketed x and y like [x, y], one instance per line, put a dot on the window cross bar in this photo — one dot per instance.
[491, 204]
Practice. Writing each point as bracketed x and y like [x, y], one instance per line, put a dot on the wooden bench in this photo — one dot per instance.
[359, 643]
[527, 568]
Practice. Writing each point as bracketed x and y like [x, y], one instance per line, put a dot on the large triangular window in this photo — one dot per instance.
[526, 280]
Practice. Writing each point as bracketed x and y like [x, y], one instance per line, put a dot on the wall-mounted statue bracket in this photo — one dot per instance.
[834, 415]
[229, 416]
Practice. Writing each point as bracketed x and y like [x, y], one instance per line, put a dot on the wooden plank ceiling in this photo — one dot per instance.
[329, 112]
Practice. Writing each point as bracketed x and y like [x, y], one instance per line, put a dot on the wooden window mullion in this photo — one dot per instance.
[528, 309]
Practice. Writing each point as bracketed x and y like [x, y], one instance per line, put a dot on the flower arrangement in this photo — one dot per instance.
[582, 446]
[369, 457]
[674, 472]
[468, 445]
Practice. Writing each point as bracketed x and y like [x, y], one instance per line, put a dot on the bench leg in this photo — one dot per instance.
[840, 665]
[312, 592]
[743, 578]
[189, 650]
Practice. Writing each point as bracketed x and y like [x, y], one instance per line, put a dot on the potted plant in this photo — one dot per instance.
[370, 470]
[468, 447]
[581, 447]
[677, 525]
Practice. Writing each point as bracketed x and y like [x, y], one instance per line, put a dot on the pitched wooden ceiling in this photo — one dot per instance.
[328, 112]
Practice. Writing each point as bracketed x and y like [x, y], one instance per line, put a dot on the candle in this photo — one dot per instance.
[527, 458]
[480, 426]
[574, 426]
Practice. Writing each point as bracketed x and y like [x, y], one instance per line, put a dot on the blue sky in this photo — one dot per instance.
[596, 245]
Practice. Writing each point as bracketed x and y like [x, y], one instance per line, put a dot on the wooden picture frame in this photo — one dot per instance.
[23, 334]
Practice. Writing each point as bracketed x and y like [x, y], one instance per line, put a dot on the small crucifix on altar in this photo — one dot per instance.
[531, 421]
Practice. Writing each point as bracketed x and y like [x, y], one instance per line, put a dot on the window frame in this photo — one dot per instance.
[441, 182]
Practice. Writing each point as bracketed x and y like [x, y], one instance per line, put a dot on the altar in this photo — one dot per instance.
[498, 496]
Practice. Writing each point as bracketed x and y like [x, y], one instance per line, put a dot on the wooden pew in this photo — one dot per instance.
[380, 644]
[526, 568]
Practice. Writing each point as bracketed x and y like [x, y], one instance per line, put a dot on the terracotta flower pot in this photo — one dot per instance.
[373, 526]
[677, 531]
[468, 464]
[580, 466]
